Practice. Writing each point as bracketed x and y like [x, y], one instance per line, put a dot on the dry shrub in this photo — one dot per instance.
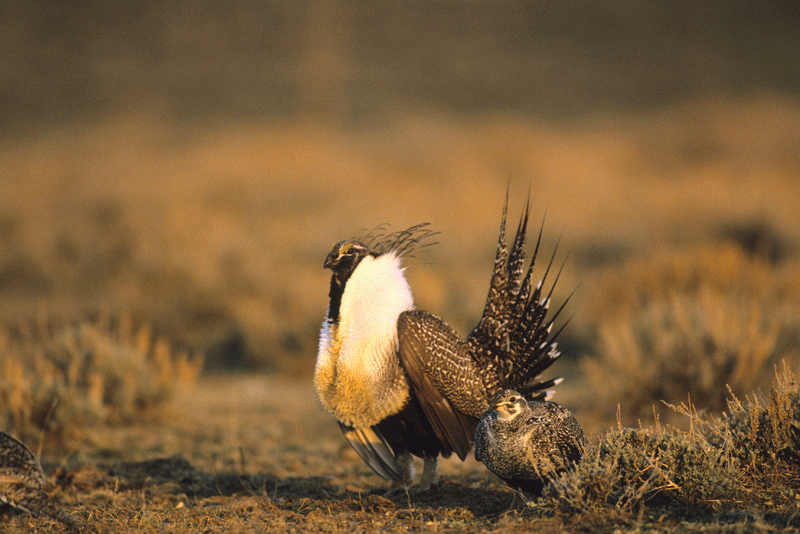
[625, 468]
[764, 435]
[724, 266]
[60, 378]
[688, 325]
[749, 458]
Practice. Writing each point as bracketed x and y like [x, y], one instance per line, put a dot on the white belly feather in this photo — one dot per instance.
[358, 375]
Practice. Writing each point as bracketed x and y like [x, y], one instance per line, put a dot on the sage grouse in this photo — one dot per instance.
[401, 381]
[22, 482]
[527, 443]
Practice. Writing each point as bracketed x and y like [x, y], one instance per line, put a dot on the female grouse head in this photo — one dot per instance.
[508, 405]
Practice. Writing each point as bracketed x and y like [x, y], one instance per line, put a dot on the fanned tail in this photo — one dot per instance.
[512, 344]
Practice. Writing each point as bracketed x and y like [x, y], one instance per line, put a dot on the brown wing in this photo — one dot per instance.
[443, 378]
[15, 456]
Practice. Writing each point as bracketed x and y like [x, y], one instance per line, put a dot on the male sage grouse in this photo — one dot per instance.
[22, 482]
[526, 443]
[401, 381]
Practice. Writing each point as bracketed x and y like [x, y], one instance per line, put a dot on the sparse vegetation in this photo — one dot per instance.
[683, 325]
[683, 321]
[722, 474]
[677, 325]
[745, 459]
[60, 379]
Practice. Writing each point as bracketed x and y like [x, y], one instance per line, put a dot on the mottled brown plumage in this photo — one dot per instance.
[403, 382]
[526, 443]
[22, 483]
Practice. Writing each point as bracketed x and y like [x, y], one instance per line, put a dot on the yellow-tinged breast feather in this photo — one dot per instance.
[358, 374]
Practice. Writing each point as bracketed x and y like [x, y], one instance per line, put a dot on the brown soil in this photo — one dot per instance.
[257, 453]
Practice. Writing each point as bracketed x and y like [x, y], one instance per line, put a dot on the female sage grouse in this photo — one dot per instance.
[527, 443]
[401, 381]
[22, 482]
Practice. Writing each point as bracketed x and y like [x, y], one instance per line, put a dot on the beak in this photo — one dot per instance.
[330, 260]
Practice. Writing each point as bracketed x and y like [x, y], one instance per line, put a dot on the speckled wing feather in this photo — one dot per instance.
[22, 482]
[488, 329]
[444, 378]
[16, 457]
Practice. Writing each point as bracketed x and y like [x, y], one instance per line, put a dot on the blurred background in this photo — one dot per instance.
[187, 165]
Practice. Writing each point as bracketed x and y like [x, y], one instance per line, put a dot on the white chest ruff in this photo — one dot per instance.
[358, 375]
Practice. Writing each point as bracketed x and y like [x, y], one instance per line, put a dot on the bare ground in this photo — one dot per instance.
[257, 453]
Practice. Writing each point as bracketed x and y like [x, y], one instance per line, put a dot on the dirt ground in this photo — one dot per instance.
[257, 453]
[235, 453]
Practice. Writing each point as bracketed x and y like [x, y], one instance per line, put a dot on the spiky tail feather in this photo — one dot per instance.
[512, 341]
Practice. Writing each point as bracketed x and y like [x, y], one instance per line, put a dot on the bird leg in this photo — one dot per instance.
[405, 464]
[428, 473]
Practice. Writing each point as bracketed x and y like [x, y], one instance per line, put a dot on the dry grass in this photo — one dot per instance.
[684, 324]
[215, 234]
[745, 460]
[57, 380]
[216, 237]
[235, 455]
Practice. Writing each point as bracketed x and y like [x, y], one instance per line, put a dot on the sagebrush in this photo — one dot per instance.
[746, 458]
[684, 325]
[59, 378]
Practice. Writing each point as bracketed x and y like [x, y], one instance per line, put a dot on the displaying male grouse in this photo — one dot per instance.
[527, 444]
[401, 381]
